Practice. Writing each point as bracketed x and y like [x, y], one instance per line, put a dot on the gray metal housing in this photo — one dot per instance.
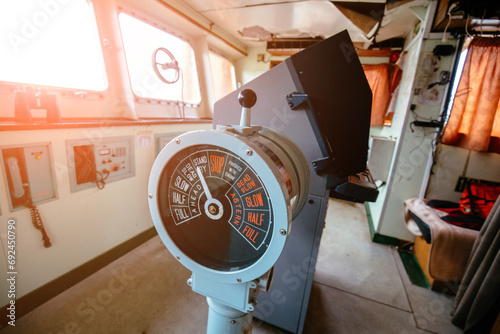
[340, 100]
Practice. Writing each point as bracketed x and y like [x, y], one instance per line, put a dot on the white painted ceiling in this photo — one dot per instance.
[297, 18]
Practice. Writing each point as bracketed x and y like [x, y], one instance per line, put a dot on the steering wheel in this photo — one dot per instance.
[165, 66]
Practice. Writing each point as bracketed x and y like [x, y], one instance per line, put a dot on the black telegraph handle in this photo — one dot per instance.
[247, 98]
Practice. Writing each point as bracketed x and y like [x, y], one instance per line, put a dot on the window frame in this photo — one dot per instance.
[477, 136]
[7, 87]
[153, 23]
[221, 55]
[119, 92]
[458, 66]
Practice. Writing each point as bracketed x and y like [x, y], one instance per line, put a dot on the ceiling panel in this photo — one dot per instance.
[303, 18]
[210, 5]
[290, 19]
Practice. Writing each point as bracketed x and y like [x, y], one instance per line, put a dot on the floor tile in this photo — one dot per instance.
[431, 309]
[334, 311]
[360, 287]
[349, 261]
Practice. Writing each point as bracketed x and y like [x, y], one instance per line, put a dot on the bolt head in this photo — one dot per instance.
[282, 232]
[212, 209]
[249, 152]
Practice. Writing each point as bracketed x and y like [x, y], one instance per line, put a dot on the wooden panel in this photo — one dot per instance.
[9, 124]
[441, 14]
[441, 19]
[374, 53]
[290, 46]
[360, 53]
[283, 52]
[496, 326]
[421, 250]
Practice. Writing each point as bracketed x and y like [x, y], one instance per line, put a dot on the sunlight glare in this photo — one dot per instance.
[52, 43]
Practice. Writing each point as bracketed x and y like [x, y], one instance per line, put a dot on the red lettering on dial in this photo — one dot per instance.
[254, 201]
[216, 163]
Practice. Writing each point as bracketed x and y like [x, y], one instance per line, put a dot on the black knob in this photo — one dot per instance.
[247, 98]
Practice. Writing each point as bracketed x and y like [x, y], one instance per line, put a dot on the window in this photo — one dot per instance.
[223, 77]
[51, 43]
[383, 80]
[141, 40]
[458, 74]
[474, 120]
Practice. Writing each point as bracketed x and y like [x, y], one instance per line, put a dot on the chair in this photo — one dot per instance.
[442, 249]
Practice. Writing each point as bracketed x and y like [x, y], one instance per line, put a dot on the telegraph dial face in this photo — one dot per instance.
[215, 207]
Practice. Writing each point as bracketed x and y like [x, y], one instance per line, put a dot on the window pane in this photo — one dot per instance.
[141, 40]
[223, 77]
[51, 43]
[456, 81]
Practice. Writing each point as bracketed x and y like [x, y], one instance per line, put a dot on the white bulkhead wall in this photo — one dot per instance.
[408, 173]
[85, 224]
[412, 172]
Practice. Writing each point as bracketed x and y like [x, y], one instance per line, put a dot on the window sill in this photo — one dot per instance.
[9, 124]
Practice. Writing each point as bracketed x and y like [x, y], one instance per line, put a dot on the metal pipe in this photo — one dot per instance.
[225, 319]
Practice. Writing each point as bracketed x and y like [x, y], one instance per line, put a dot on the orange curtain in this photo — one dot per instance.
[474, 121]
[378, 79]
[383, 80]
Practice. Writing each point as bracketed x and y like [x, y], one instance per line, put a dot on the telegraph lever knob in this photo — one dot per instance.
[247, 99]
